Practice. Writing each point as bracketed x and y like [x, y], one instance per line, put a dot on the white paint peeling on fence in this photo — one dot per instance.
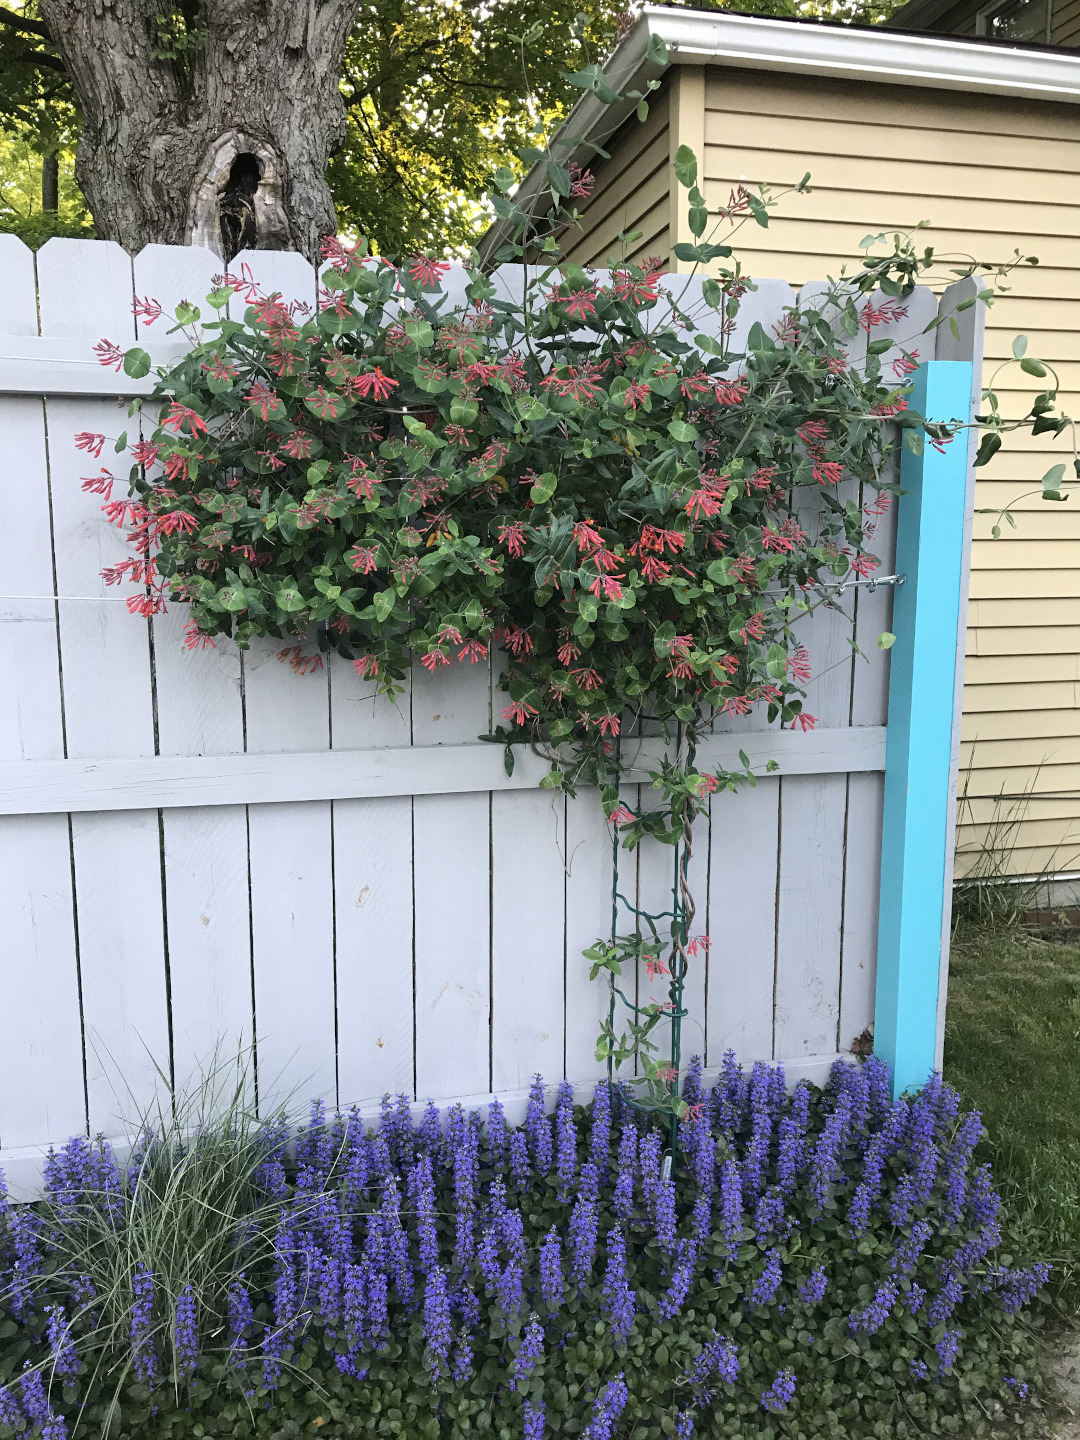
[199, 849]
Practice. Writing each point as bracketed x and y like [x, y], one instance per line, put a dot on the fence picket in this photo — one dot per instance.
[41, 1071]
[452, 839]
[200, 711]
[743, 841]
[527, 916]
[85, 291]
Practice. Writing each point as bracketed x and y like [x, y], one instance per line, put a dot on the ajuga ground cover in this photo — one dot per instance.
[813, 1263]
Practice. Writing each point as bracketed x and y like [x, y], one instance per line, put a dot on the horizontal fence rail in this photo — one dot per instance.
[200, 852]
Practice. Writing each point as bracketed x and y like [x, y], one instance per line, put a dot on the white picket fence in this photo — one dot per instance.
[200, 851]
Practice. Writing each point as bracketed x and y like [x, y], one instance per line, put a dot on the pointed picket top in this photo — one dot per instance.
[282, 272]
[814, 296]
[18, 293]
[85, 290]
[169, 274]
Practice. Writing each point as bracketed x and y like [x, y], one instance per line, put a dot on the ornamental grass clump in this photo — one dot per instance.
[827, 1262]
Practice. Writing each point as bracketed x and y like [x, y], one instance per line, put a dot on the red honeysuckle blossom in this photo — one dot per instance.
[518, 713]
[109, 354]
[654, 967]
[473, 651]
[424, 271]
[367, 667]
[146, 310]
[100, 484]
[194, 639]
[91, 443]
[805, 721]
[621, 816]
[512, 535]
[374, 383]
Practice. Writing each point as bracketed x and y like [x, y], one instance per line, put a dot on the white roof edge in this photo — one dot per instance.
[887, 56]
[752, 42]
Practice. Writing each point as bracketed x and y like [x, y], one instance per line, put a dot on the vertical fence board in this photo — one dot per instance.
[527, 917]
[743, 842]
[291, 887]
[200, 711]
[452, 877]
[373, 901]
[809, 924]
[587, 853]
[41, 1070]
[85, 290]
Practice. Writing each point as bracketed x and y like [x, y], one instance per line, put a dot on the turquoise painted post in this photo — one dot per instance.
[918, 755]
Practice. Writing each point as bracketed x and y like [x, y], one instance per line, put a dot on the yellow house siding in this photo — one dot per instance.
[991, 174]
[632, 191]
[1064, 20]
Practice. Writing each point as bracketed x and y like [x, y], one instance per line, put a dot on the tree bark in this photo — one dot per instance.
[217, 135]
[50, 182]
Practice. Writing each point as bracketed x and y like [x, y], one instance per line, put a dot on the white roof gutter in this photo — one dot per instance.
[752, 42]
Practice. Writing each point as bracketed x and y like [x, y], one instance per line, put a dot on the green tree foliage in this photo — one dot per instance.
[441, 95]
[38, 119]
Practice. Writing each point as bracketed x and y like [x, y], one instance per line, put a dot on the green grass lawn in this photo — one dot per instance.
[1012, 1048]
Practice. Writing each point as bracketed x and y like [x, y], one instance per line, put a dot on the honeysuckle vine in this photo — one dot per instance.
[582, 479]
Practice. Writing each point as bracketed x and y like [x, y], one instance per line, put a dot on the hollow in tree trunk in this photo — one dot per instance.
[211, 125]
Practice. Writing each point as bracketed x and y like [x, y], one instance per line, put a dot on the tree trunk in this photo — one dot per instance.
[211, 128]
[50, 182]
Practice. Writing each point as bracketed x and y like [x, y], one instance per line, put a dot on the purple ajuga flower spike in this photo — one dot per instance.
[870, 1320]
[565, 1141]
[144, 1357]
[538, 1127]
[761, 1131]
[914, 1299]
[583, 1225]
[780, 1393]
[717, 1362]
[186, 1334]
[511, 1291]
[916, 1186]
[437, 1330]
[396, 1241]
[791, 1140]
[273, 1345]
[701, 1147]
[1018, 1286]
[28, 1263]
[665, 1214]
[551, 1274]
[520, 1169]
[946, 1300]
[533, 1417]
[910, 1248]
[357, 1157]
[422, 1198]
[728, 1097]
[10, 1411]
[692, 1091]
[381, 1161]
[65, 1358]
[600, 1131]
[429, 1132]
[1019, 1387]
[466, 1164]
[879, 1080]
[608, 1408]
[918, 1369]
[957, 1163]
[487, 1258]
[35, 1403]
[241, 1319]
[684, 1425]
[731, 1208]
[824, 1170]
[813, 1292]
[377, 1304]
[769, 1215]
[768, 1282]
[622, 1199]
[884, 1144]
[682, 1276]
[948, 1347]
[453, 1133]
[530, 1353]
[496, 1135]
[618, 1296]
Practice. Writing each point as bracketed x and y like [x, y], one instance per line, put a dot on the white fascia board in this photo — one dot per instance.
[751, 42]
[890, 57]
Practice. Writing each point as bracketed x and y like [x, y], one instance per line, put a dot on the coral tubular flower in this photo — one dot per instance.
[518, 713]
[375, 383]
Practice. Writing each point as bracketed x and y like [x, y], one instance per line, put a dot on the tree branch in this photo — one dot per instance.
[24, 23]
